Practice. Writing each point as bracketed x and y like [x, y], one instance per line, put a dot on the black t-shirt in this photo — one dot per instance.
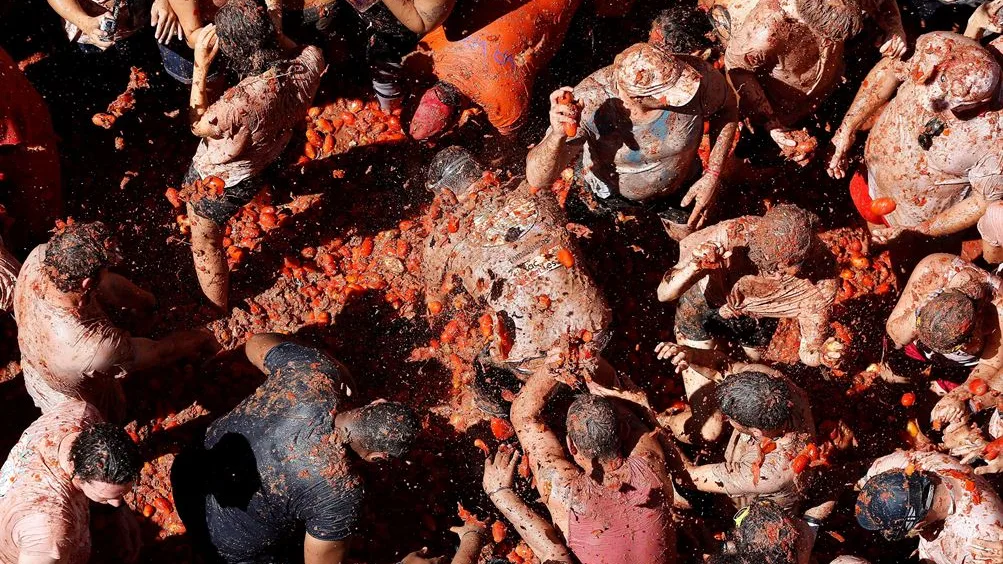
[274, 470]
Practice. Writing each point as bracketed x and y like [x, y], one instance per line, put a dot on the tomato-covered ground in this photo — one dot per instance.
[328, 252]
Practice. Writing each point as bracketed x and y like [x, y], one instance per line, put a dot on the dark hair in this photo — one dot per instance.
[946, 321]
[76, 252]
[768, 532]
[679, 29]
[247, 37]
[105, 453]
[836, 20]
[781, 238]
[454, 168]
[388, 427]
[756, 400]
[592, 426]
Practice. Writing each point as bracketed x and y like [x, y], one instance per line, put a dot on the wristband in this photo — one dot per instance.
[498, 490]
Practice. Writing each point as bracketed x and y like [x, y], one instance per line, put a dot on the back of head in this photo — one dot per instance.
[766, 530]
[679, 29]
[756, 400]
[593, 427]
[645, 71]
[836, 20]
[946, 322]
[247, 36]
[387, 427]
[77, 252]
[781, 238]
[454, 168]
[894, 502]
[962, 71]
[105, 453]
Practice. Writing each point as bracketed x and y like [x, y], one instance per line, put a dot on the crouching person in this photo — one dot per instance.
[284, 461]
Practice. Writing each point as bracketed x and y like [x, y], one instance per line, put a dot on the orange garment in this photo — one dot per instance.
[496, 64]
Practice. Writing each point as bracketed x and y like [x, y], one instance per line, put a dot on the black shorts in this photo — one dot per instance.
[221, 208]
[696, 320]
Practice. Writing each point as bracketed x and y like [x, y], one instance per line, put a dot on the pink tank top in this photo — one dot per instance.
[628, 525]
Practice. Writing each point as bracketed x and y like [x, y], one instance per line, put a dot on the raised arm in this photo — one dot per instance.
[206, 49]
[925, 279]
[420, 16]
[547, 458]
[723, 135]
[538, 533]
[890, 21]
[878, 88]
[556, 151]
[699, 252]
[188, 17]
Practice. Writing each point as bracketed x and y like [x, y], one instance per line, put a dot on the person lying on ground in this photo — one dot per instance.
[64, 461]
[640, 126]
[244, 132]
[285, 459]
[537, 532]
[70, 349]
[956, 514]
[933, 151]
[949, 307]
[612, 503]
[787, 57]
[722, 298]
[29, 158]
[772, 424]
[512, 252]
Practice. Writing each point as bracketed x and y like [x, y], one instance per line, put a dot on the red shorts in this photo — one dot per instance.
[860, 193]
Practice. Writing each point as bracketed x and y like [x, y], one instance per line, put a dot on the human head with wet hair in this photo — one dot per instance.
[105, 462]
[454, 168]
[766, 530]
[593, 431]
[758, 404]
[836, 20]
[954, 72]
[679, 29]
[380, 430]
[247, 37]
[946, 323]
[77, 254]
[782, 238]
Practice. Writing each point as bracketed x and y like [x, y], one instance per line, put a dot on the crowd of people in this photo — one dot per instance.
[658, 134]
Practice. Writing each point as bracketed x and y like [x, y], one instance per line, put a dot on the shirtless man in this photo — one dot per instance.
[714, 296]
[507, 248]
[933, 149]
[284, 460]
[772, 424]
[243, 132]
[66, 460]
[642, 120]
[787, 57]
[602, 524]
[956, 514]
[69, 347]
